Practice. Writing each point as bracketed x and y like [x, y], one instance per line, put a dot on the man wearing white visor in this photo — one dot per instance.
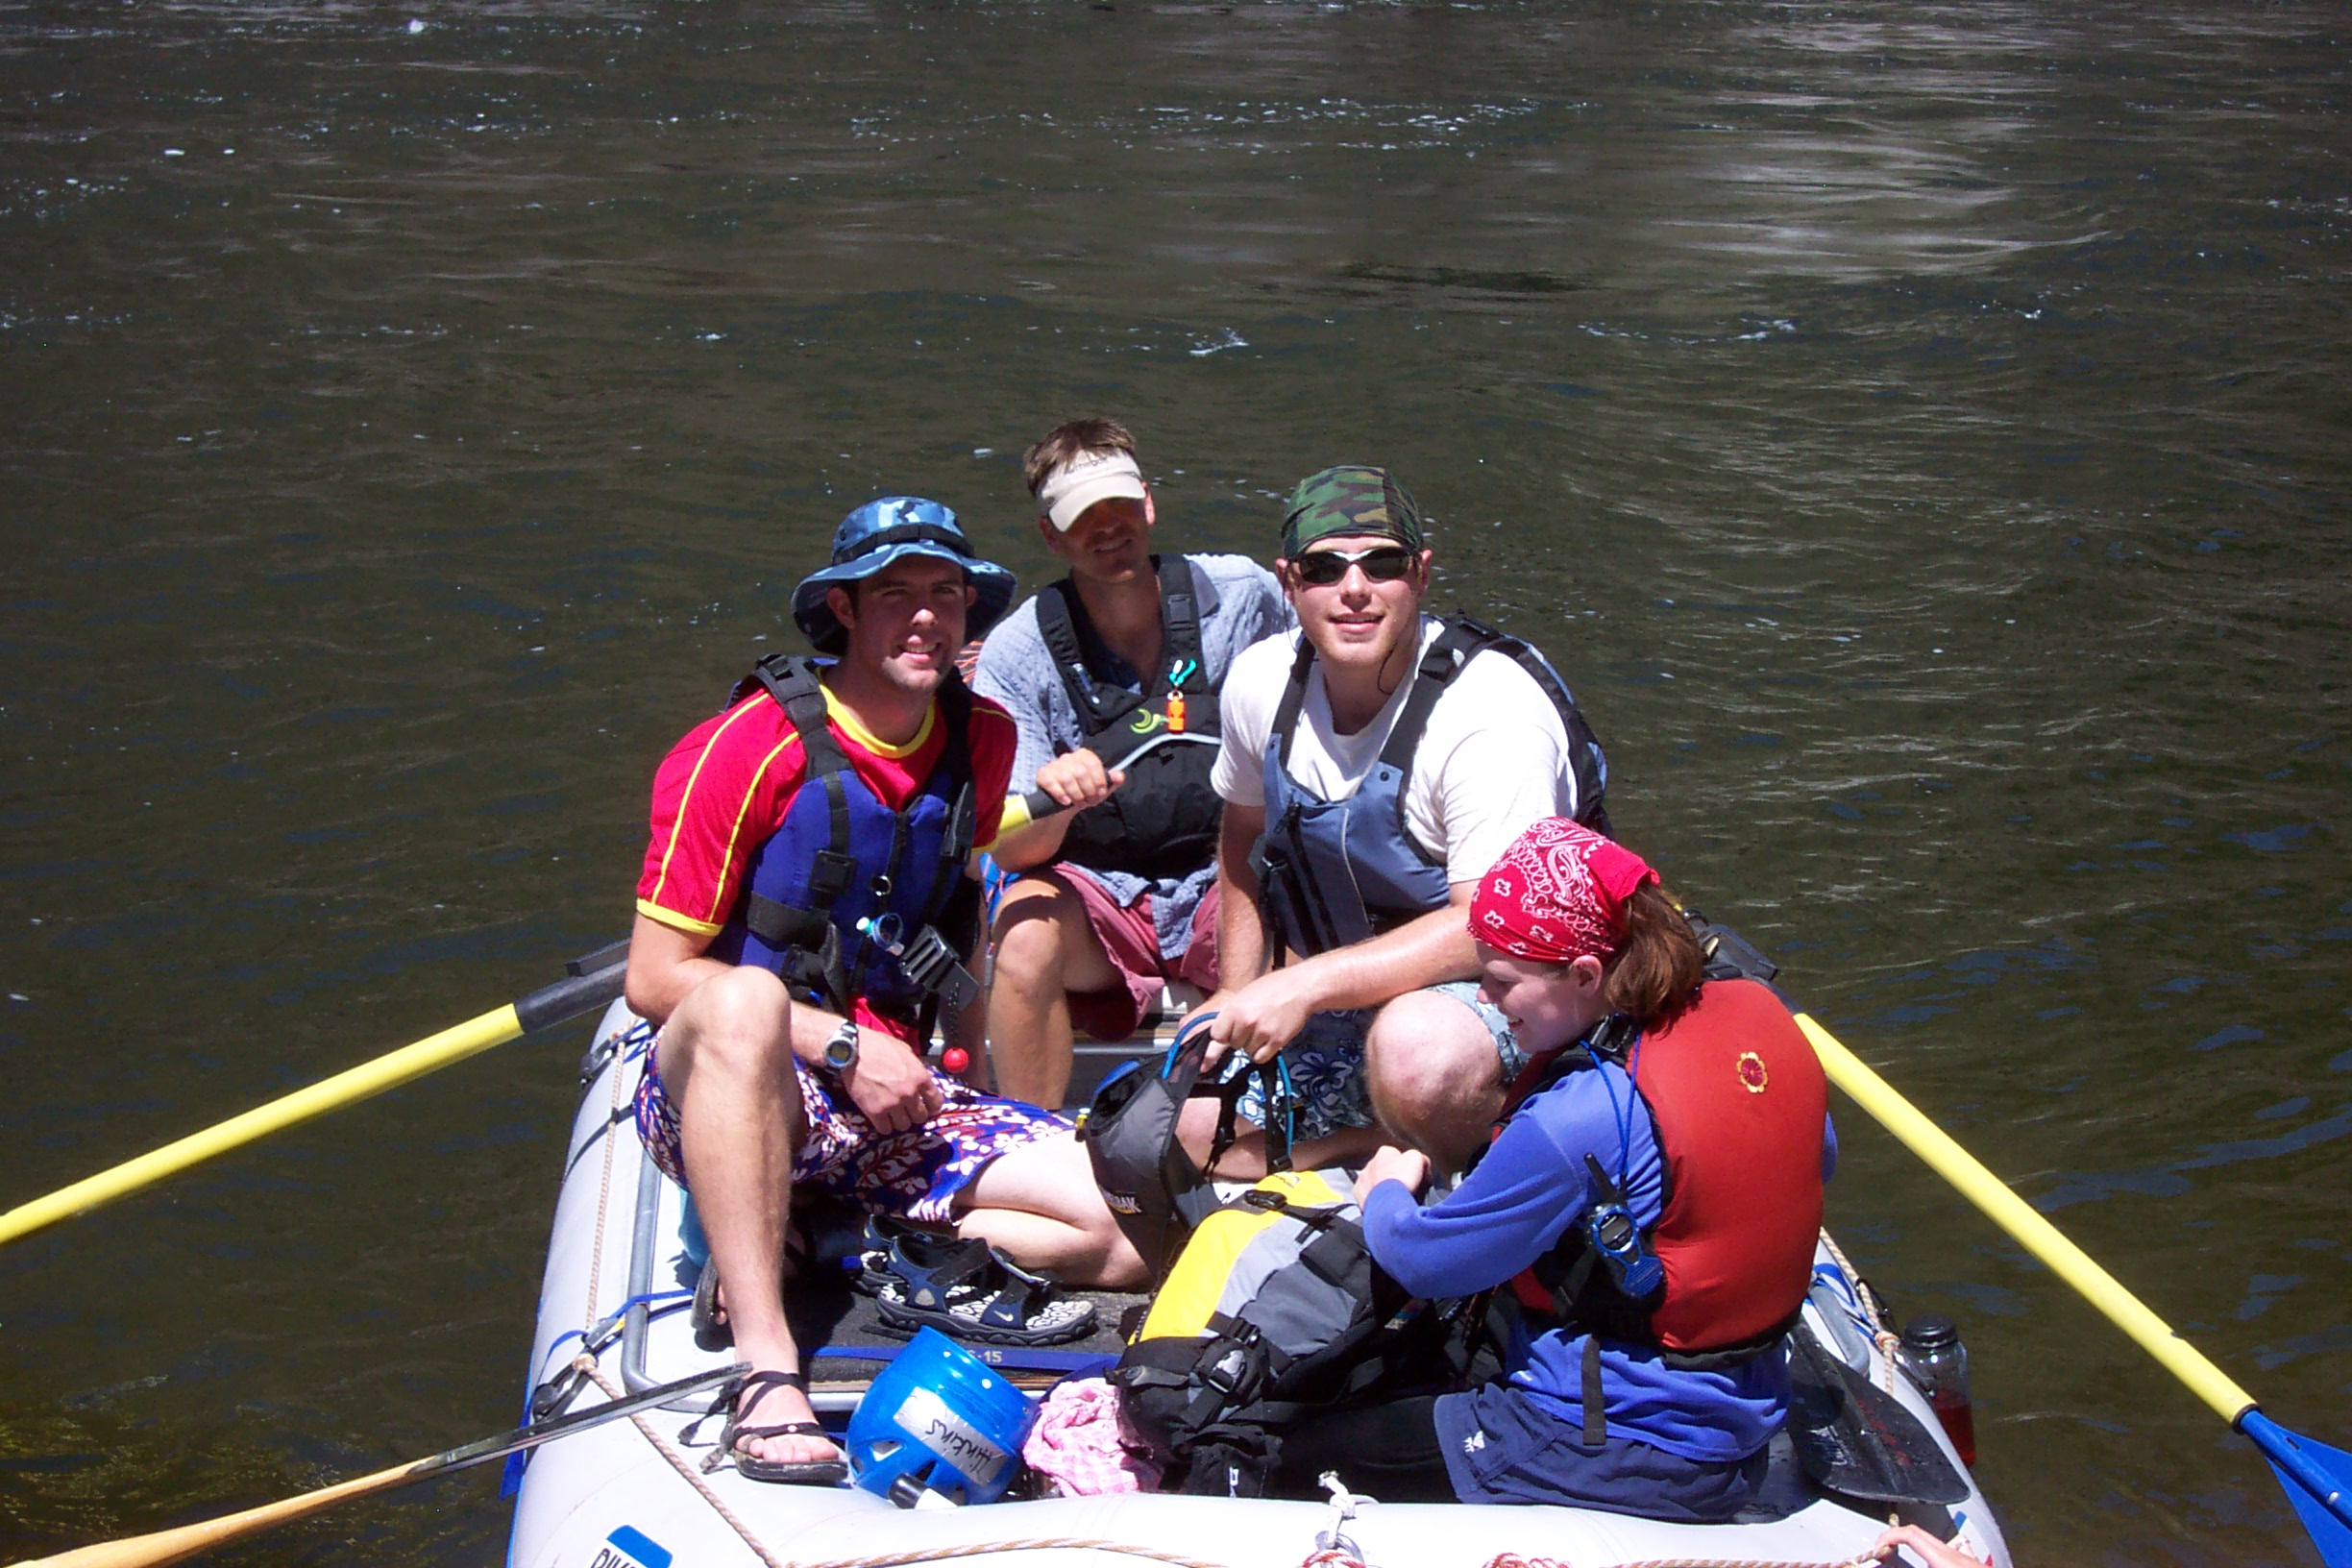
[1111, 678]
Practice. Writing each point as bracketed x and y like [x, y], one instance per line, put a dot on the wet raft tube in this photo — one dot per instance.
[633, 1493]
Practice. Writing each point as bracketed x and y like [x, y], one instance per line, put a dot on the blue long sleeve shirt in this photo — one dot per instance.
[1513, 1207]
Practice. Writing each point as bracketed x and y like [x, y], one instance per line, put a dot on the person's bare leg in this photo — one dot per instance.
[1041, 1205]
[726, 1063]
[1435, 1078]
[1044, 949]
[1246, 1161]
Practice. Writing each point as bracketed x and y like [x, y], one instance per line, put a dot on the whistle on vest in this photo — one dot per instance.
[1178, 675]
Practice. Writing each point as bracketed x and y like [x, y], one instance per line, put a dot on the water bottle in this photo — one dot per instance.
[1937, 1361]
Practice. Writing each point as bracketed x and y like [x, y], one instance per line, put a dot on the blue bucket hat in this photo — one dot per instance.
[880, 532]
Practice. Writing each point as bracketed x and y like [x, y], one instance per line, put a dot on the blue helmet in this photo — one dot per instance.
[939, 1414]
[880, 532]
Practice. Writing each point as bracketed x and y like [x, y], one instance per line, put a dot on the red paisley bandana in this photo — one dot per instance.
[1557, 894]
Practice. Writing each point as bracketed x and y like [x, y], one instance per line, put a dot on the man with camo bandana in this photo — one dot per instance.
[1374, 764]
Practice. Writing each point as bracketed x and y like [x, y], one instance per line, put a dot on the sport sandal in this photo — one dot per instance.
[967, 1289]
[744, 1396]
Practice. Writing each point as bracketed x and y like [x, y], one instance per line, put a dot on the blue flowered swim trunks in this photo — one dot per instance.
[1326, 1063]
[913, 1175]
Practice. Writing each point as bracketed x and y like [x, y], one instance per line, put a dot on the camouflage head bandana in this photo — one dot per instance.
[1351, 498]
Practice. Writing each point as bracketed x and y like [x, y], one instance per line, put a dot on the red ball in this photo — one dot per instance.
[955, 1059]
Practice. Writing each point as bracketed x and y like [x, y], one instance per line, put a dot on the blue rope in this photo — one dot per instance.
[675, 1298]
[510, 1478]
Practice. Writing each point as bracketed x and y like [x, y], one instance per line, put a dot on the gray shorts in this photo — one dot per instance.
[1326, 1063]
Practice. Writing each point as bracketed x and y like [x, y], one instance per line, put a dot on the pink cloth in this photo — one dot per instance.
[1557, 894]
[1082, 1445]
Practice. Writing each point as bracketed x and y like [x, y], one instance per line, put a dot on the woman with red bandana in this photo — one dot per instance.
[1651, 1195]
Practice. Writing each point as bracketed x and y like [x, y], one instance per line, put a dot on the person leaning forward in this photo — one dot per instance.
[788, 1055]
[1130, 648]
[1374, 764]
[1687, 1120]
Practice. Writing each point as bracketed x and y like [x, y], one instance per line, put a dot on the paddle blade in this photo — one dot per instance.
[2327, 1533]
[1857, 1442]
[2317, 1481]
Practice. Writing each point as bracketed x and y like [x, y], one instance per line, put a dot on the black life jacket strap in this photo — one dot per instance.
[1603, 1189]
[1440, 662]
[1725, 1358]
[807, 931]
[1228, 1095]
[1104, 709]
[1596, 1415]
[929, 958]
[955, 706]
[1293, 699]
[795, 685]
[1180, 627]
[1058, 610]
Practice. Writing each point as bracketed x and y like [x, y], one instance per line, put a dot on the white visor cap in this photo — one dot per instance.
[1085, 479]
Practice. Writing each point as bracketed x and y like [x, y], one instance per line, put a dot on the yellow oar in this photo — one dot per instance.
[594, 980]
[2322, 1471]
[186, 1540]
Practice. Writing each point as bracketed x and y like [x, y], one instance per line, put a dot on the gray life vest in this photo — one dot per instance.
[1332, 873]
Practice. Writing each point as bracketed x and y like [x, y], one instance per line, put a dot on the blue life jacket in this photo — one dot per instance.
[846, 897]
[1332, 873]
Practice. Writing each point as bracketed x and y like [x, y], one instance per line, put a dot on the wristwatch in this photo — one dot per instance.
[840, 1052]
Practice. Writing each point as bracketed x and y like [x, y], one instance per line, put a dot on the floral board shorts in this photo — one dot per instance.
[1326, 1063]
[913, 1175]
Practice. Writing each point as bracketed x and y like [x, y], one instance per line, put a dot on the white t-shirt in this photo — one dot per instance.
[1492, 760]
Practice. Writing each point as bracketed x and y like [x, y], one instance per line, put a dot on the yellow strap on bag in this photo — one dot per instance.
[1197, 1284]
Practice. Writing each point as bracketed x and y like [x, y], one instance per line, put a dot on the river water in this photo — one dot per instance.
[1918, 431]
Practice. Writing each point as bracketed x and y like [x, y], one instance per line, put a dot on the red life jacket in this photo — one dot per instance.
[1737, 1099]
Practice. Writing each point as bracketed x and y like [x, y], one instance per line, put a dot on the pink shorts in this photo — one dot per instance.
[1132, 944]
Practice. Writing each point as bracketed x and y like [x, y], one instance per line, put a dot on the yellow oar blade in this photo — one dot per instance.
[2039, 1236]
[172, 1545]
[389, 1072]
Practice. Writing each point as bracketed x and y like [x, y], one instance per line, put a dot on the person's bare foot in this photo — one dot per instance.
[764, 1406]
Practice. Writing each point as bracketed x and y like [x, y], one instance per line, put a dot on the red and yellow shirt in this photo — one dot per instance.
[722, 791]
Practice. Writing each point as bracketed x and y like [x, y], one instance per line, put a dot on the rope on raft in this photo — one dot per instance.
[1329, 1559]
[1880, 1334]
[678, 1462]
[981, 1549]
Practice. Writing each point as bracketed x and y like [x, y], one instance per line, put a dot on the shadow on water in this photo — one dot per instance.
[1919, 432]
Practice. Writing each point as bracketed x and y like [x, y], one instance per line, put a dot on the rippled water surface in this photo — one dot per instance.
[1919, 432]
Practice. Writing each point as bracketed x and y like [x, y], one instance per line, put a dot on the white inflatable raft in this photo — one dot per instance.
[631, 1493]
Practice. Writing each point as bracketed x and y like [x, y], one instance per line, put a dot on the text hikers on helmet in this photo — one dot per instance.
[1653, 1194]
[1374, 764]
[807, 852]
[1112, 676]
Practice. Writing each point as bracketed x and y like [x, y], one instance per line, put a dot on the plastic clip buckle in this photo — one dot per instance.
[933, 965]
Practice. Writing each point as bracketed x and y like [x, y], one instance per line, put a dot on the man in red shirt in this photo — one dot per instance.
[803, 840]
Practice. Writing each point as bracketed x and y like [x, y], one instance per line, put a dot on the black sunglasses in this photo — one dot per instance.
[1382, 563]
